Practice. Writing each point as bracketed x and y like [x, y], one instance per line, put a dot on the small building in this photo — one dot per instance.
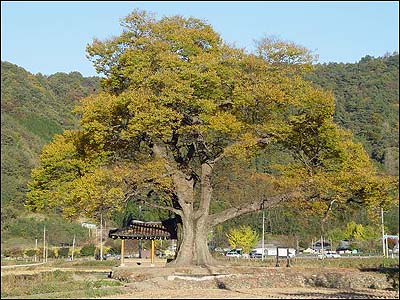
[139, 230]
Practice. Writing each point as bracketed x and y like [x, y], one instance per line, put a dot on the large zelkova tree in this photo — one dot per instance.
[179, 108]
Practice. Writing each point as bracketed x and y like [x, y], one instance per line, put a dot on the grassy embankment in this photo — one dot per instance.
[73, 284]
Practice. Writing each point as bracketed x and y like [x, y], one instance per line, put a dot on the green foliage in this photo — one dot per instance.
[30, 227]
[32, 252]
[365, 238]
[392, 220]
[52, 252]
[32, 112]
[335, 235]
[358, 232]
[41, 127]
[33, 109]
[244, 237]
[366, 97]
[88, 250]
[63, 252]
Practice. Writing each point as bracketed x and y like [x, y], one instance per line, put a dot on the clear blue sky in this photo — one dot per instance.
[51, 37]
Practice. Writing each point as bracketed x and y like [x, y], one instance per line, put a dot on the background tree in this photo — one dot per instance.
[179, 106]
[244, 237]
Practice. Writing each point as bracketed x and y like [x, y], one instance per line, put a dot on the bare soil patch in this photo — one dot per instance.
[241, 282]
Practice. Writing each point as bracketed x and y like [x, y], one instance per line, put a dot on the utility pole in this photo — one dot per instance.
[73, 248]
[44, 243]
[387, 246]
[322, 247]
[383, 235]
[101, 236]
[140, 241]
[263, 230]
[36, 240]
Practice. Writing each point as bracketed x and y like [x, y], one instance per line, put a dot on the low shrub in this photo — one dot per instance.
[88, 250]
[63, 252]
[32, 252]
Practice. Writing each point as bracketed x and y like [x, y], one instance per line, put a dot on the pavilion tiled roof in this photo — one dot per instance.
[140, 230]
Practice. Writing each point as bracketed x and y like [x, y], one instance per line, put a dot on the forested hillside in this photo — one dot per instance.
[35, 107]
[367, 103]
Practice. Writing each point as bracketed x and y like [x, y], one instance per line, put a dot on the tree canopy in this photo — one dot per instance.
[179, 109]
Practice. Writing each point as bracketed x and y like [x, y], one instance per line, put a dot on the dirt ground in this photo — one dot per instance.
[145, 281]
[257, 293]
[159, 282]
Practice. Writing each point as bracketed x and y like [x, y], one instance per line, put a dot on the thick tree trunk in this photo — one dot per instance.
[193, 248]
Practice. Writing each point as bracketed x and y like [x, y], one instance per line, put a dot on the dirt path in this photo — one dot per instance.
[258, 293]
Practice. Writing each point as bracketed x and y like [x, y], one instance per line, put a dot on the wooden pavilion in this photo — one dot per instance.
[139, 230]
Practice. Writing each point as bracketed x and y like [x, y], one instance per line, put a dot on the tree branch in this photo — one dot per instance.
[327, 211]
[218, 158]
[182, 184]
[153, 205]
[128, 195]
[234, 212]
[206, 190]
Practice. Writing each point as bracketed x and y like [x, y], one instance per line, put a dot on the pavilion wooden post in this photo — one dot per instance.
[152, 253]
[122, 252]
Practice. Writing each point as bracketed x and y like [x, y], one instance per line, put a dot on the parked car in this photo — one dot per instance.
[255, 255]
[329, 254]
[234, 253]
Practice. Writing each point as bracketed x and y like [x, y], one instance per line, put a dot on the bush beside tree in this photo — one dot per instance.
[88, 250]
